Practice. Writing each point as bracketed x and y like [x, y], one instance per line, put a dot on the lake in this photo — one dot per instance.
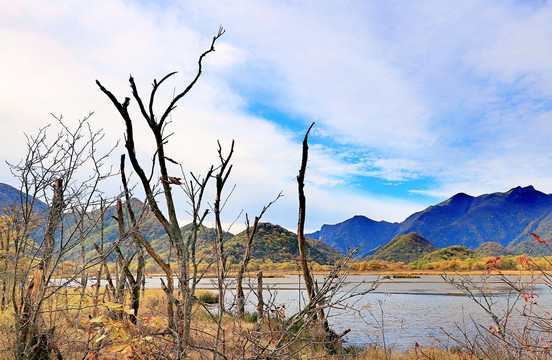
[399, 312]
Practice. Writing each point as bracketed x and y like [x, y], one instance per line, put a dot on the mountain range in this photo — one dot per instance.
[504, 218]
[270, 242]
[490, 224]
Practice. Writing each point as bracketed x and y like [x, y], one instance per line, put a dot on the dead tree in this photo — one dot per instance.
[169, 221]
[309, 283]
[30, 344]
[51, 163]
[54, 220]
[194, 190]
[221, 177]
[103, 264]
[140, 242]
[251, 231]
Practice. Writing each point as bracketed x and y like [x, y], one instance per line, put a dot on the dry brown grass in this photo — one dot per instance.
[76, 335]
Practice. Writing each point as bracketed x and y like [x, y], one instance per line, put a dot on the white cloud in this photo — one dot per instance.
[399, 91]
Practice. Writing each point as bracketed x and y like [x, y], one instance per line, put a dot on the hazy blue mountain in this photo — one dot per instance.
[10, 196]
[471, 221]
[505, 218]
[315, 235]
[11, 200]
[357, 231]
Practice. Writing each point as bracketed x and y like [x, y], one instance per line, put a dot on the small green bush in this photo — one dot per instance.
[208, 297]
[251, 317]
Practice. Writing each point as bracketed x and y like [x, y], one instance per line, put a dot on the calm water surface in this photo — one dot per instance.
[399, 312]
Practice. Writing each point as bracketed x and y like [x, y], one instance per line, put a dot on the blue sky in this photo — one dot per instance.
[413, 101]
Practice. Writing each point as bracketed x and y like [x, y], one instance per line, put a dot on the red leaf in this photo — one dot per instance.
[536, 236]
[494, 261]
[539, 239]
[523, 260]
[529, 296]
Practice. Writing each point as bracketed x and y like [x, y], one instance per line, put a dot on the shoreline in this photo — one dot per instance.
[276, 274]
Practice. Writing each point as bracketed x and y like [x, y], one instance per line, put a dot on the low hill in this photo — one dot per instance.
[278, 244]
[492, 248]
[271, 242]
[405, 248]
[455, 252]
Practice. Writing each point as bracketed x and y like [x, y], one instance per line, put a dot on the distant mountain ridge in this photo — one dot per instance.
[271, 241]
[358, 231]
[10, 195]
[505, 218]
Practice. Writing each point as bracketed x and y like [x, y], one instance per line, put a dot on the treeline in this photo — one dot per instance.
[509, 262]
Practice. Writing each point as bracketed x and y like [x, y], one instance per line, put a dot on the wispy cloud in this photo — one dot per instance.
[440, 98]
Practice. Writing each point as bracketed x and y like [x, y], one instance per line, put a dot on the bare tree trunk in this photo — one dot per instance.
[136, 286]
[221, 177]
[54, 219]
[110, 288]
[312, 289]
[102, 263]
[30, 342]
[301, 225]
[194, 190]
[240, 296]
[260, 301]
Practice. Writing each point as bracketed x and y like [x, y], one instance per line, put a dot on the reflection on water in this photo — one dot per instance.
[400, 312]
